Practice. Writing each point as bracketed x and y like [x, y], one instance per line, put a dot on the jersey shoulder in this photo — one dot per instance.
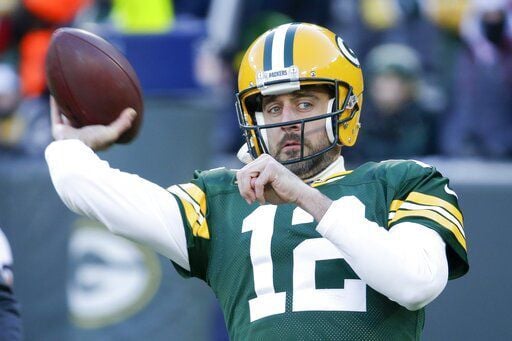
[216, 181]
[420, 194]
[194, 201]
[392, 172]
[195, 197]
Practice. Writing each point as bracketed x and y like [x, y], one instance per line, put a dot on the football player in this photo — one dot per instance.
[293, 245]
[10, 321]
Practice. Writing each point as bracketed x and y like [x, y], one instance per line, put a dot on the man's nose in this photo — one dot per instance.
[289, 114]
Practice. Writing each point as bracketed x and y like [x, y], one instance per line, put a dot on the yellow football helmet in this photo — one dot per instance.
[283, 60]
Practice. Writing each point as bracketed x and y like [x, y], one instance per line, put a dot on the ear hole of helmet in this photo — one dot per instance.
[349, 129]
[253, 103]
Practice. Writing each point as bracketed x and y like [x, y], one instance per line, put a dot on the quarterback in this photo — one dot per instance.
[293, 245]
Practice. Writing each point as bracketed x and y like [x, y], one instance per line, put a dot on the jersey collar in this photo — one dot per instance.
[335, 169]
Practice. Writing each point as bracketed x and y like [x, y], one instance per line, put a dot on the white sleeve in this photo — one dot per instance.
[407, 264]
[125, 203]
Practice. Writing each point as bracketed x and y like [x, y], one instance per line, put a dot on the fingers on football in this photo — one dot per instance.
[54, 112]
[58, 126]
[61, 127]
[121, 124]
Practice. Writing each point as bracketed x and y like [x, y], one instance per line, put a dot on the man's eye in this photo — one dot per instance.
[274, 110]
[305, 105]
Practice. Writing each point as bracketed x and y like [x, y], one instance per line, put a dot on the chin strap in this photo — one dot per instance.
[243, 154]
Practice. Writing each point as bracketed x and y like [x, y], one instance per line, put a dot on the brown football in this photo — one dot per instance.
[91, 80]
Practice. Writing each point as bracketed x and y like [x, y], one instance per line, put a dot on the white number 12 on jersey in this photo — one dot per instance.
[305, 295]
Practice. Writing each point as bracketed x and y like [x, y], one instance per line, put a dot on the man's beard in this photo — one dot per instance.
[307, 168]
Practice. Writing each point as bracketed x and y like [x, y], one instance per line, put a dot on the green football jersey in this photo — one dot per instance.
[277, 278]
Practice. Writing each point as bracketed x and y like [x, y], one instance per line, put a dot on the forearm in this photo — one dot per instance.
[314, 202]
[407, 264]
[125, 203]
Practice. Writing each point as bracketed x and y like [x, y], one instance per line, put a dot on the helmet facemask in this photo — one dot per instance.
[255, 129]
[287, 59]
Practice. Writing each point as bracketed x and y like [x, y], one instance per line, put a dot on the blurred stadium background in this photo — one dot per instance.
[438, 89]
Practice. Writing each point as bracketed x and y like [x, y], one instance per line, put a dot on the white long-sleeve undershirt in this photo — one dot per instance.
[126, 204]
[407, 264]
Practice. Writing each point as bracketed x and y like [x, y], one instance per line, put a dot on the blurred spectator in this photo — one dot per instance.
[7, 6]
[10, 322]
[232, 24]
[446, 16]
[394, 123]
[8, 49]
[148, 16]
[102, 9]
[196, 8]
[368, 23]
[480, 123]
[24, 124]
[138, 17]
[11, 127]
[34, 22]
[6, 9]
[428, 26]
[26, 27]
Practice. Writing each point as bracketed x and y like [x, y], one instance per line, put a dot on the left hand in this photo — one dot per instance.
[267, 181]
